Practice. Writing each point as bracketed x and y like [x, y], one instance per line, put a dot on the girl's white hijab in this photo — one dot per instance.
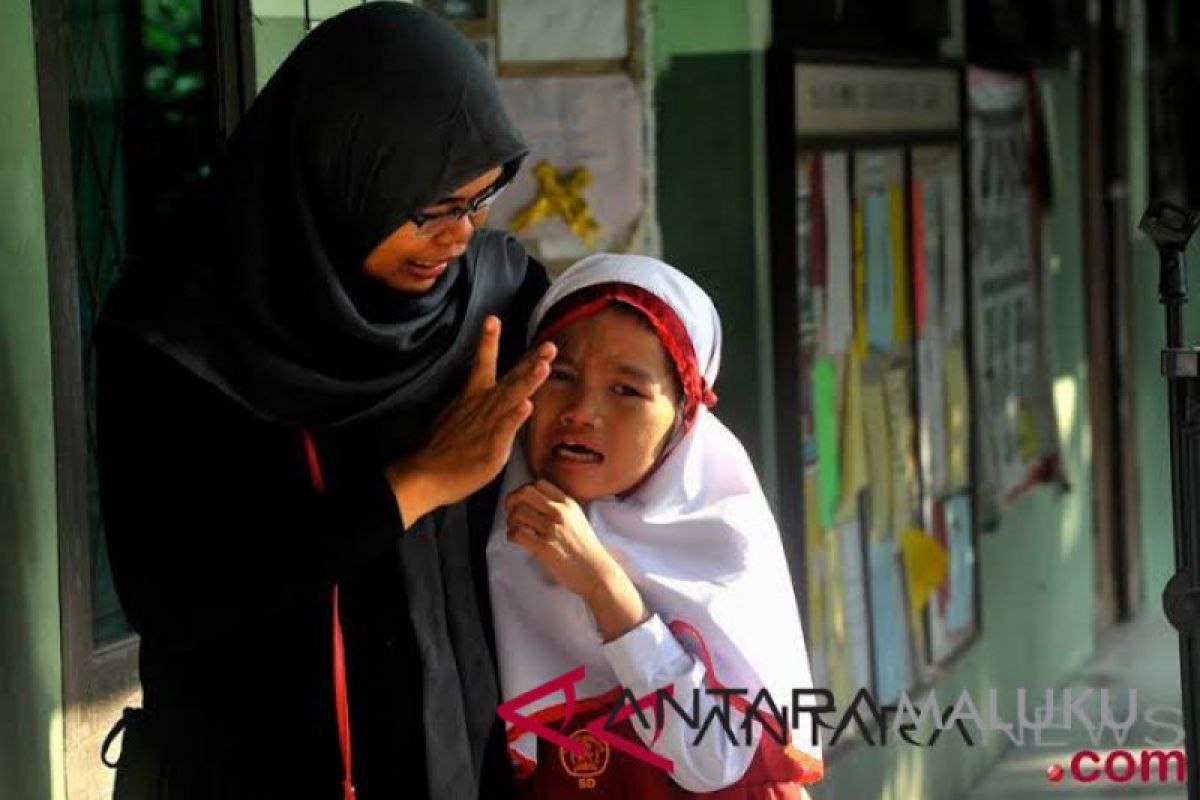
[697, 539]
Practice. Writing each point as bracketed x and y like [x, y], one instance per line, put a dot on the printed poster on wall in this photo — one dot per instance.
[583, 187]
[1015, 415]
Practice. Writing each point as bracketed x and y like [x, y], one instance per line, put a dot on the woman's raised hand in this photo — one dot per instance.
[472, 439]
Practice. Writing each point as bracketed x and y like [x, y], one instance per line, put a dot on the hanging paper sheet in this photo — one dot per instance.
[960, 611]
[839, 275]
[901, 312]
[809, 290]
[931, 402]
[920, 257]
[853, 440]
[932, 209]
[1018, 434]
[879, 274]
[838, 657]
[879, 458]
[958, 418]
[816, 583]
[878, 190]
[953, 275]
[591, 123]
[857, 639]
[889, 614]
[563, 30]
[925, 566]
[859, 287]
[952, 611]
[824, 382]
[901, 463]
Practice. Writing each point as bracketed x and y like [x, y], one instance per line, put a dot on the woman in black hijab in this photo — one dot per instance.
[293, 408]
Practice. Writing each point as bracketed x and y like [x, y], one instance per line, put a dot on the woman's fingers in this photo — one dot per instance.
[504, 432]
[483, 371]
[473, 438]
[527, 377]
[508, 405]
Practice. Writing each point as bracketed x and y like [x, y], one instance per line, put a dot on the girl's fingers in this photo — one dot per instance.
[551, 491]
[531, 519]
[532, 496]
[523, 537]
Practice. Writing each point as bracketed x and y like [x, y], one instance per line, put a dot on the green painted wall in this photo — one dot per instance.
[274, 38]
[709, 93]
[31, 735]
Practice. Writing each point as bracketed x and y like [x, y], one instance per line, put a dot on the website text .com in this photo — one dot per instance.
[1122, 767]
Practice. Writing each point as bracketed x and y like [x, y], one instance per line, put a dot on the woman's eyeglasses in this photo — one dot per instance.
[431, 223]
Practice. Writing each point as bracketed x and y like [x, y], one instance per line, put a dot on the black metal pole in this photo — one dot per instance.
[1170, 227]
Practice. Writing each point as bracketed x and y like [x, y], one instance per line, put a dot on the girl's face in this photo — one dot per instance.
[603, 416]
[409, 262]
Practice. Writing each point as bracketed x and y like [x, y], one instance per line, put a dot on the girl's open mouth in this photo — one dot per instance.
[576, 452]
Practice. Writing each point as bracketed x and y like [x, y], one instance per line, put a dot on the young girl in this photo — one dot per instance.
[634, 541]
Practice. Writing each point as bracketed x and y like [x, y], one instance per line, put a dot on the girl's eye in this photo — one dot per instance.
[559, 374]
[626, 390]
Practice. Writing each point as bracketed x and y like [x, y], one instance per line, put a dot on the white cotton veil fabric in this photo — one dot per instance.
[697, 538]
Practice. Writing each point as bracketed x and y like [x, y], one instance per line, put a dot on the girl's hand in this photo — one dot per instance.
[553, 528]
[472, 439]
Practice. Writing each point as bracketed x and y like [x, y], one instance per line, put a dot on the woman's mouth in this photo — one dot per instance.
[426, 269]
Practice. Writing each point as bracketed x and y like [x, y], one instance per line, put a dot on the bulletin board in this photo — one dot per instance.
[873, 362]
[572, 77]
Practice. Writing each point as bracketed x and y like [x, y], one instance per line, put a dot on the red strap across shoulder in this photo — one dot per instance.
[341, 697]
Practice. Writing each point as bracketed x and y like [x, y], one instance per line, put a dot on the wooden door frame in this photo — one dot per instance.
[1107, 274]
[97, 682]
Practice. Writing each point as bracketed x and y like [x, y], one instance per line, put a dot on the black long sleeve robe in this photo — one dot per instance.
[224, 559]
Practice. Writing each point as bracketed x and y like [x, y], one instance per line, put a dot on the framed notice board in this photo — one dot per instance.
[872, 357]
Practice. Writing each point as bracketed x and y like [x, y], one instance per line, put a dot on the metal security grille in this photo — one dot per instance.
[98, 77]
[142, 131]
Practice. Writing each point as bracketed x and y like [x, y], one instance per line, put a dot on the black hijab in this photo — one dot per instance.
[377, 113]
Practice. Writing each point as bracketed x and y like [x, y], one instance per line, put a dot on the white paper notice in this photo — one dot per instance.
[952, 256]
[855, 599]
[932, 403]
[839, 320]
[593, 122]
[563, 30]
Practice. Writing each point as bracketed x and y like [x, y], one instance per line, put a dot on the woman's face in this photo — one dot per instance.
[409, 262]
[604, 414]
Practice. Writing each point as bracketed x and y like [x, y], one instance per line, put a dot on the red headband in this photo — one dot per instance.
[666, 323]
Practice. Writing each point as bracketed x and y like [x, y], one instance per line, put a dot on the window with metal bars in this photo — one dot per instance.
[145, 122]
